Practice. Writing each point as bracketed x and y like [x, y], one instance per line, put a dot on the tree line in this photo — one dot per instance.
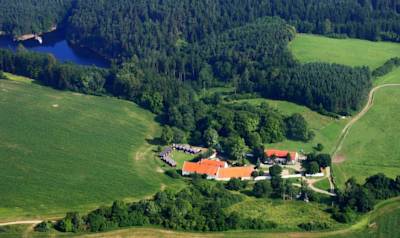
[202, 206]
[199, 207]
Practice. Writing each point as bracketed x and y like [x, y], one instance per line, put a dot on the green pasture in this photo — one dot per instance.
[372, 145]
[312, 48]
[323, 184]
[287, 214]
[63, 151]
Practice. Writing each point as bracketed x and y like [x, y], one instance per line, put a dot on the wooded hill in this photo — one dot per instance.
[18, 17]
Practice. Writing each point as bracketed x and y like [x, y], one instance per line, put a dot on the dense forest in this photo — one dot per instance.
[124, 27]
[253, 59]
[18, 17]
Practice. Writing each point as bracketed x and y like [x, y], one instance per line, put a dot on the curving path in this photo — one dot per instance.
[27, 222]
[346, 129]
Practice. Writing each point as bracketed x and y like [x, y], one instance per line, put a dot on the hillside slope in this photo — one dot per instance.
[64, 151]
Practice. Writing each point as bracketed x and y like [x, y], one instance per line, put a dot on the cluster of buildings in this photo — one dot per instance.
[216, 169]
[165, 156]
[186, 148]
[220, 170]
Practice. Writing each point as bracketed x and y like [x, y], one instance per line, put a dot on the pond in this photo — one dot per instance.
[54, 43]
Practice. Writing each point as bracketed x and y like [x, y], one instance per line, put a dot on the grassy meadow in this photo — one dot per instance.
[287, 214]
[63, 151]
[311, 48]
[327, 129]
[372, 145]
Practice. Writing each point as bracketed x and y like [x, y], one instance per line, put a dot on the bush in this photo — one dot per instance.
[172, 173]
[312, 226]
[236, 184]
[2, 75]
[44, 226]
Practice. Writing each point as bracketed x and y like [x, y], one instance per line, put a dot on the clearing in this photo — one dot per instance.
[353, 52]
[75, 156]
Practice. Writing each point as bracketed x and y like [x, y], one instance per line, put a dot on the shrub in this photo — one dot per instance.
[172, 173]
[44, 226]
[2, 75]
[236, 184]
[312, 226]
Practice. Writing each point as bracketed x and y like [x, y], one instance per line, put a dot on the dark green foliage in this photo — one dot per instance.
[387, 67]
[72, 222]
[297, 128]
[275, 171]
[172, 173]
[236, 184]
[199, 207]
[381, 186]
[319, 147]
[323, 87]
[262, 189]
[2, 75]
[44, 226]
[48, 71]
[312, 226]
[32, 16]
[167, 135]
[316, 161]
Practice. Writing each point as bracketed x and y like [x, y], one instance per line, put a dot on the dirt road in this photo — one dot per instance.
[346, 129]
[27, 222]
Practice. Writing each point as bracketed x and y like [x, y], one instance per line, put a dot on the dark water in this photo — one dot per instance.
[55, 44]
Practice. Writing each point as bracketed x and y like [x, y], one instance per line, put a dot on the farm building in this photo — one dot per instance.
[226, 174]
[282, 156]
[186, 148]
[215, 169]
[165, 156]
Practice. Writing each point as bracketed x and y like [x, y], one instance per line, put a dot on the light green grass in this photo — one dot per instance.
[372, 145]
[353, 52]
[323, 184]
[63, 151]
[327, 129]
[287, 214]
[181, 157]
[392, 77]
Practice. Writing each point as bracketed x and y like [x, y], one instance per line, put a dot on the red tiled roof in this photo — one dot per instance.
[235, 172]
[199, 168]
[280, 153]
[216, 163]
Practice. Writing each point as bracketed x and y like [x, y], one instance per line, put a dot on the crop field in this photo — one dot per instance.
[353, 52]
[63, 151]
[326, 129]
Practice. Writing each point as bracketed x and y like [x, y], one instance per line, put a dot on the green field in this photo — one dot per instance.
[287, 214]
[353, 52]
[323, 184]
[372, 145]
[181, 157]
[62, 151]
[326, 129]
